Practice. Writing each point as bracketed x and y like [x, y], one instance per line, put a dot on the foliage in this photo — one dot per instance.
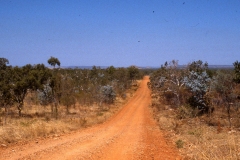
[236, 71]
[168, 82]
[111, 72]
[133, 72]
[45, 95]
[3, 63]
[179, 143]
[198, 66]
[223, 85]
[53, 61]
[27, 78]
[5, 85]
[62, 86]
[67, 92]
[198, 84]
[108, 94]
[182, 86]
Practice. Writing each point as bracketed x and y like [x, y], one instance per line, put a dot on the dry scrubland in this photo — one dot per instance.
[37, 101]
[130, 134]
[37, 121]
[198, 109]
[195, 138]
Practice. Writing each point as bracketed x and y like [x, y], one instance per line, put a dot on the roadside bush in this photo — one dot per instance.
[186, 111]
[108, 94]
[179, 143]
[198, 84]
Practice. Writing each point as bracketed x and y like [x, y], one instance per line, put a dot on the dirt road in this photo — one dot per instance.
[130, 134]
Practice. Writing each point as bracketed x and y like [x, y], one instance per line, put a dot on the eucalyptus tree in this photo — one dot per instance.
[45, 95]
[54, 61]
[167, 82]
[111, 71]
[108, 94]
[198, 84]
[197, 66]
[223, 85]
[3, 63]
[68, 89]
[5, 94]
[55, 85]
[122, 81]
[133, 73]
[198, 81]
[25, 79]
[236, 71]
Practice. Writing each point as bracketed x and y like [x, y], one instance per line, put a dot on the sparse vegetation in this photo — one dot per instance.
[196, 107]
[53, 101]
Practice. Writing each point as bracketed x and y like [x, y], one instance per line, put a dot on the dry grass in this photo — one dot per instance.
[38, 121]
[195, 138]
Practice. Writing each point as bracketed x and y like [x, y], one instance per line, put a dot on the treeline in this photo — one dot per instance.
[196, 90]
[57, 86]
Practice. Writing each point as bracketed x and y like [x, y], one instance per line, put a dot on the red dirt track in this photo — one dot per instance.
[130, 134]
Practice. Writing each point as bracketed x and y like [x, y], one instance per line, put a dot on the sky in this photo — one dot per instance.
[120, 32]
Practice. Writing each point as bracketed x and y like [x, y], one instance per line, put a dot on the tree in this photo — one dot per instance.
[236, 72]
[197, 80]
[45, 95]
[223, 84]
[26, 79]
[168, 82]
[198, 66]
[198, 84]
[133, 72]
[111, 72]
[55, 84]
[53, 61]
[108, 94]
[122, 81]
[3, 63]
[5, 85]
[68, 92]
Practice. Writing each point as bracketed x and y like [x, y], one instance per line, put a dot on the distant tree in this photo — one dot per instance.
[133, 72]
[122, 80]
[111, 72]
[236, 71]
[54, 61]
[3, 63]
[198, 66]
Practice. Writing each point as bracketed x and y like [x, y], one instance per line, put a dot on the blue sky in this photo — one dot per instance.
[120, 32]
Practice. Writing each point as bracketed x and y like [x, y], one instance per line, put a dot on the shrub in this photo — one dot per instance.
[179, 143]
[198, 84]
[108, 94]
